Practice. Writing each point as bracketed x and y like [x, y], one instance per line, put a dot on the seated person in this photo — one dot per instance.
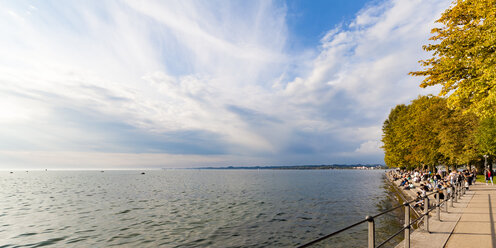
[441, 194]
[429, 187]
[419, 201]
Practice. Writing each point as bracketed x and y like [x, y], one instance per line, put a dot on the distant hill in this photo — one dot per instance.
[299, 167]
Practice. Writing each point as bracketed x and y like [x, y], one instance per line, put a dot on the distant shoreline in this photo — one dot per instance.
[300, 167]
[281, 167]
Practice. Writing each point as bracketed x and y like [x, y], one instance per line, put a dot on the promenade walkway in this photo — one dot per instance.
[471, 222]
[476, 227]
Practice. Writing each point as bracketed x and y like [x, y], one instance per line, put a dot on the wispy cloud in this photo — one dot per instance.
[193, 81]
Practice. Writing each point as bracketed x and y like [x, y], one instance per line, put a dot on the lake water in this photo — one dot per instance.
[191, 208]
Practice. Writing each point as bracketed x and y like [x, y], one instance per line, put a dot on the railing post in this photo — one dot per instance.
[459, 191]
[452, 195]
[456, 193]
[446, 200]
[438, 210]
[426, 213]
[407, 225]
[371, 232]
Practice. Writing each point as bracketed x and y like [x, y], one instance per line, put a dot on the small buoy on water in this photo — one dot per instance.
[142, 173]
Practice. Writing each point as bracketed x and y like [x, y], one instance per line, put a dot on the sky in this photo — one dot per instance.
[178, 84]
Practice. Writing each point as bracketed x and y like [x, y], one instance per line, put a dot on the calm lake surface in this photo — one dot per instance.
[191, 208]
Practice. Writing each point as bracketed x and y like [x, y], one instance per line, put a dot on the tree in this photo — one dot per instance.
[426, 117]
[464, 60]
[410, 134]
[486, 136]
[396, 137]
[457, 138]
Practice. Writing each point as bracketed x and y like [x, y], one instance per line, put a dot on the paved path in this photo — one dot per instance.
[440, 231]
[476, 227]
[470, 223]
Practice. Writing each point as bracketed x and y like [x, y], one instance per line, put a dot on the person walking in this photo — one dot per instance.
[452, 177]
[489, 176]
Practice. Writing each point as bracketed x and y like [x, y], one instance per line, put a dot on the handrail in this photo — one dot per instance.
[457, 191]
[404, 199]
[392, 236]
[332, 234]
[355, 224]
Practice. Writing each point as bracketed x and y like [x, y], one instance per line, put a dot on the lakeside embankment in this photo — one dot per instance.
[405, 195]
[414, 185]
[443, 217]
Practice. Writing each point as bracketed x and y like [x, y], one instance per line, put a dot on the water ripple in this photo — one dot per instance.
[186, 208]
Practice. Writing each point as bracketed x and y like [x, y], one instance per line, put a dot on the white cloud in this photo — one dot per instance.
[117, 56]
[203, 67]
[361, 71]
[369, 147]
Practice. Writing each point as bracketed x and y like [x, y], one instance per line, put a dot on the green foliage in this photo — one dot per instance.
[428, 133]
[481, 179]
[427, 114]
[486, 136]
[457, 138]
[463, 60]
[410, 134]
[396, 137]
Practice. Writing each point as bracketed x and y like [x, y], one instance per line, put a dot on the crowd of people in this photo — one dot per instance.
[422, 181]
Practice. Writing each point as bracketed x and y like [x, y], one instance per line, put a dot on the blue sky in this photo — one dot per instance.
[309, 21]
[154, 84]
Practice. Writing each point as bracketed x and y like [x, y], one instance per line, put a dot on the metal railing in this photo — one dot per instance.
[456, 193]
